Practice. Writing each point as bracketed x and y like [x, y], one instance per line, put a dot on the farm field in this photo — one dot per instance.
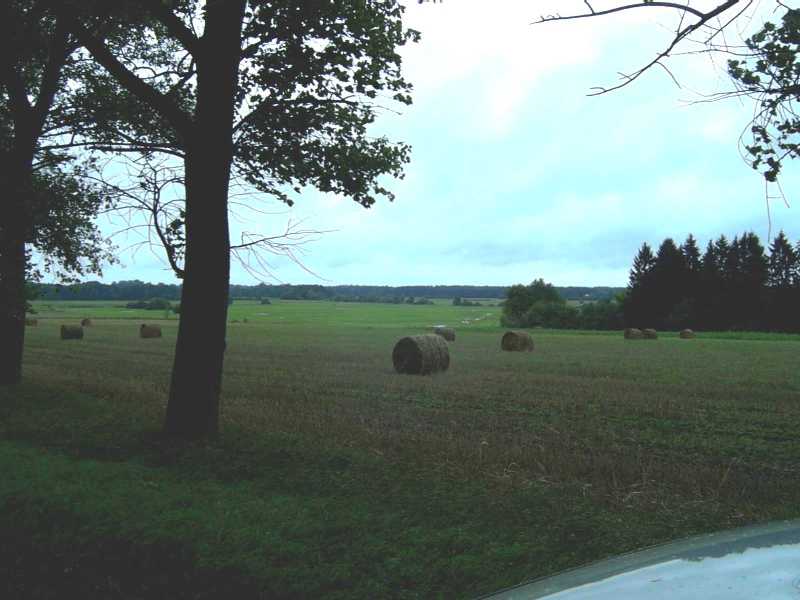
[336, 477]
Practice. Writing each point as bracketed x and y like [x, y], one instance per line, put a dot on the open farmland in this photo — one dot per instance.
[336, 477]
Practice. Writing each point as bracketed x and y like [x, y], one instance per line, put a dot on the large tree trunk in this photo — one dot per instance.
[15, 182]
[193, 408]
[12, 306]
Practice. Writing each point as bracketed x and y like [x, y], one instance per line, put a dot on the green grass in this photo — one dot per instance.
[336, 477]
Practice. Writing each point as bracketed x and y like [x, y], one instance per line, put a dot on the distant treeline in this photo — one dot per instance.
[139, 290]
[733, 285]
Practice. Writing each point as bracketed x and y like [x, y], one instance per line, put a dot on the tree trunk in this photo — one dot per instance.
[193, 407]
[12, 306]
[15, 182]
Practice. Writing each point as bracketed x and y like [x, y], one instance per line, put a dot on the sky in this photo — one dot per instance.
[516, 173]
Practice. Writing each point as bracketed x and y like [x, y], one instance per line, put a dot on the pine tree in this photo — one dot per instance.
[782, 263]
[637, 306]
[691, 253]
[642, 265]
[670, 274]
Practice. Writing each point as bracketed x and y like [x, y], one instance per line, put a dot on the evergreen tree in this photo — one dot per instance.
[782, 296]
[642, 265]
[691, 254]
[709, 292]
[782, 263]
[749, 274]
[637, 306]
[670, 274]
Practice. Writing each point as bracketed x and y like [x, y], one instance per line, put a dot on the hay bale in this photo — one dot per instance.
[71, 332]
[686, 334]
[31, 322]
[650, 334]
[447, 333]
[517, 341]
[631, 333]
[86, 322]
[149, 331]
[421, 355]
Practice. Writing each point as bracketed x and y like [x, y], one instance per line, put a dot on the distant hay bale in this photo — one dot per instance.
[71, 332]
[447, 333]
[631, 333]
[86, 322]
[517, 341]
[31, 322]
[686, 334]
[421, 355]
[650, 334]
[149, 331]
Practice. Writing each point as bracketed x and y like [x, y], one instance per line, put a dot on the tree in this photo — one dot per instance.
[691, 254]
[782, 263]
[763, 69]
[670, 284]
[782, 295]
[767, 70]
[276, 91]
[637, 303]
[520, 299]
[46, 204]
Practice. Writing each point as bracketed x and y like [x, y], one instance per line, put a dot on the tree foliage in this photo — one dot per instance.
[769, 70]
[736, 286]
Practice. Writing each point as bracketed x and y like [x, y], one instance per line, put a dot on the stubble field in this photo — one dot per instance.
[336, 477]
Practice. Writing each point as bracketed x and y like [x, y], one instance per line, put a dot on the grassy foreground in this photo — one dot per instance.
[336, 477]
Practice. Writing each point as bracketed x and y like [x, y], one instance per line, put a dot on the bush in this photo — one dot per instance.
[154, 304]
[265, 301]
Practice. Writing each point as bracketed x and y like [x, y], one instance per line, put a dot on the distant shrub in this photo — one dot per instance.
[265, 301]
[154, 304]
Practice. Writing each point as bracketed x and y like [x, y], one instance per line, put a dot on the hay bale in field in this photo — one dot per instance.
[421, 355]
[686, 334]
[447, 333]
[631, 333]
[31, 322]
[86, 322]
[71, 332]
[149, 331]
[517, 341]
[650, 334]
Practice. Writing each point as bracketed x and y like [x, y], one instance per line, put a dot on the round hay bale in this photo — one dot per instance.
[421, 355]
[650, 334]
[86, 322]
[31, 322]
[686, 334]
[149, 331]
[71, 332]
[447, 333]
[631, 333]
[517, 341]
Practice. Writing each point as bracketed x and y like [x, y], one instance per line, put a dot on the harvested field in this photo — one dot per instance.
[336, 477]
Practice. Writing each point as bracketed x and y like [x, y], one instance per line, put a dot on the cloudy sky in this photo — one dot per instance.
[517, 174]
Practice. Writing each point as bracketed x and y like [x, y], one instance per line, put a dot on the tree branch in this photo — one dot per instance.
[175, 27]
[682, 32]
[182, 122]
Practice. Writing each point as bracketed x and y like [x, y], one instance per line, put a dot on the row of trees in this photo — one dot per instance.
[140, 290]
[733, 284]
